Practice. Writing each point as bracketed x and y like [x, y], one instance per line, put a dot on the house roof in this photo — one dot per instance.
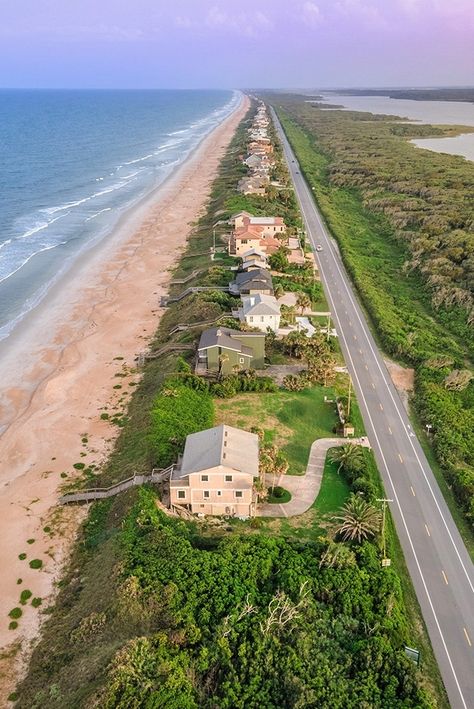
[222, 445]
[260, 304]
[241, 214]
[265, 221]
[254, 252]
[223, 337]
[258, 274]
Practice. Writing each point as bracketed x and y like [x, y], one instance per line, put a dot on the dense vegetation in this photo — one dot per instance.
[156, 612]
[404, 220]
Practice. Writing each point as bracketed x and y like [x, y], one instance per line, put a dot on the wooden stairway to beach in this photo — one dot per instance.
[166, 300]
[100, 493]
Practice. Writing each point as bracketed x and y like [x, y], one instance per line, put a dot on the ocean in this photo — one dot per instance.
[72, 162]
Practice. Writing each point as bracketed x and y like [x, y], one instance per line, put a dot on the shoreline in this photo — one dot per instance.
[58, 385]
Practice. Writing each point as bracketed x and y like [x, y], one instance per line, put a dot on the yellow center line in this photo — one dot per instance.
[400, 458]
[427, 530]
[467, 637]
[355, 337]
[390, 431]
[366, 367]
[381, 407]
[373, 385]
[412, 491]
[445, 577]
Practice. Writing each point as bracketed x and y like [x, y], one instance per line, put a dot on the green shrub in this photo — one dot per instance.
[22, 556]
[36, 602]
[36, 564]
[177, 411]
[30, 541]
[13, 625]
[25, 596]
[15, 613]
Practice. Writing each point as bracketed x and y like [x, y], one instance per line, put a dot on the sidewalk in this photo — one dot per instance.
[305, 488]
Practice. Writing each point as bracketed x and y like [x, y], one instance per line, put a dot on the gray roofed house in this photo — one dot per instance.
[251, 282]
[217, 472]
[260, 311]
[221, 445]
[222, 350]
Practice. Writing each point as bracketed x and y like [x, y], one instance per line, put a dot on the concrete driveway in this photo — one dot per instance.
[305, 488]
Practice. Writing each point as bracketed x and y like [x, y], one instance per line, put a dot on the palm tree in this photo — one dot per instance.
[223, 358]
[349, 457]
[359, 520]
[303, 301]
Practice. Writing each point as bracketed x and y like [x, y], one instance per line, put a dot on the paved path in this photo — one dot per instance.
[439, 564]
[305, 488]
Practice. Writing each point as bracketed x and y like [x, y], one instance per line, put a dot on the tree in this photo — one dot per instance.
[279, 260]
[358, 520]
[278, 291]
[303, 301]
[349, 457]
[223, 358]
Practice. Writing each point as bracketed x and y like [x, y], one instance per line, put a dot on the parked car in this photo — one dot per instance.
[319, 247]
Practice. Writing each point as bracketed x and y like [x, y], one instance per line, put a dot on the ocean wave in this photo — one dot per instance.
[178, 132]
[93, 216]
[40, 227]
[132, 162]
[35, 253]
[5, 243]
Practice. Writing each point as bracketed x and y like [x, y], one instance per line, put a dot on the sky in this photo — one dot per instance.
[236, 43]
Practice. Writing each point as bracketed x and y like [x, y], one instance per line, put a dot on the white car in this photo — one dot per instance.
[319, 247]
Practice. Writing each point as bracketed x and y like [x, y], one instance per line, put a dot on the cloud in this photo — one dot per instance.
[311, 14]
[248, 24]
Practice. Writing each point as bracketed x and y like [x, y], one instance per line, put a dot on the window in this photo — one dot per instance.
[228, 478]
[251, 318]
[181, 494]
[206, 494]
[262, 318]
[219, 493]
[204, 478]
[239, 493]
[241, 360]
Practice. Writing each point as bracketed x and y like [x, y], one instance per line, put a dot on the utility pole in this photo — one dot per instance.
[349, 397]
[329, 325]
[384, 501]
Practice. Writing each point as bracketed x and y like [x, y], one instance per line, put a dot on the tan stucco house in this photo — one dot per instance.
[217, 473]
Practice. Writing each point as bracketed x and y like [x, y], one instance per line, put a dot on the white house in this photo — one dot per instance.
[260, 311]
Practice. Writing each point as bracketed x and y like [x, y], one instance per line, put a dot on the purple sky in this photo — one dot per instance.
[236, 43]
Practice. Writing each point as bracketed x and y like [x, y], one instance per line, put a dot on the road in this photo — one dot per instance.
[440, 567]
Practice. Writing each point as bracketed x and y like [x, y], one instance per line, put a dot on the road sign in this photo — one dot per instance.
[413, 654]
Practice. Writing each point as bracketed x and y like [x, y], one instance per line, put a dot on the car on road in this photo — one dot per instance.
[319, 247]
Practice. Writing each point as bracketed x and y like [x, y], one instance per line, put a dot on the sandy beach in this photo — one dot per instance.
[59, 372]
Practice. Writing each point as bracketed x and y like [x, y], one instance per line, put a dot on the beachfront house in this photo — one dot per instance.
[259, 311]
[251, 282]
[217, 472]
[222, 350]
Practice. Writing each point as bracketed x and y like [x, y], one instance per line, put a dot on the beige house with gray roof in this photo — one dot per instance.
[217, 472]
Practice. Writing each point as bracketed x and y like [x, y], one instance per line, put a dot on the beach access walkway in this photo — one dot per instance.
[304, 489]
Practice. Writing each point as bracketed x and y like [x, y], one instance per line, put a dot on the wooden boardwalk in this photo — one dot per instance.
[100, 493]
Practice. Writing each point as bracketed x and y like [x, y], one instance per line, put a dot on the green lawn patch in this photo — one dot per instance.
[278, 495]
[291, 420]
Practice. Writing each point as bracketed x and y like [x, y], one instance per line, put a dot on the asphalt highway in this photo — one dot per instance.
[439, 564]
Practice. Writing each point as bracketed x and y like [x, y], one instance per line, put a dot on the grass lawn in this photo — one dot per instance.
[291, 420]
